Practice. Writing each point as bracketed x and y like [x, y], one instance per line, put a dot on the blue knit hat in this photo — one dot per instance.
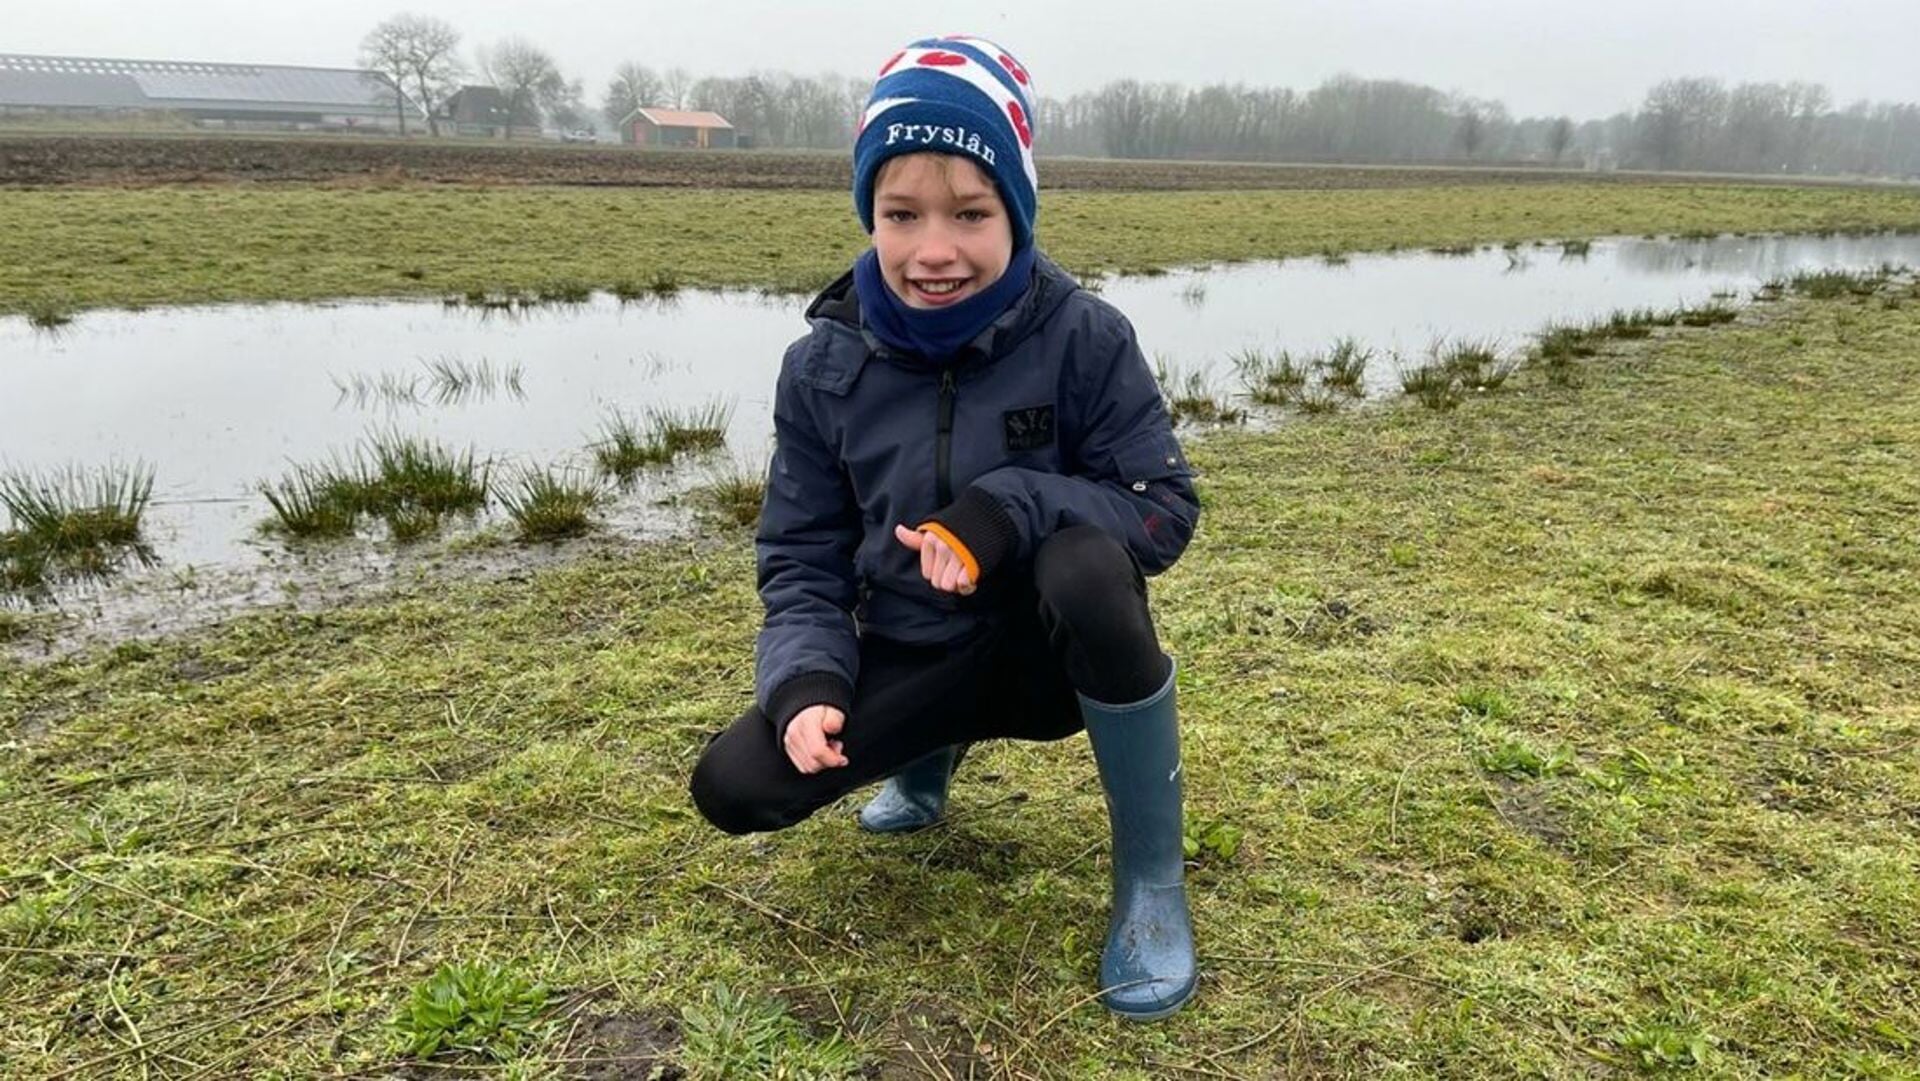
[956, 95]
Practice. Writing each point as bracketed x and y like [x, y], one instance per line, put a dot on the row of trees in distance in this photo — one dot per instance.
[1686, 123]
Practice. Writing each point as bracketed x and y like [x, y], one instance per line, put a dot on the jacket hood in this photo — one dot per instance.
[838, 308]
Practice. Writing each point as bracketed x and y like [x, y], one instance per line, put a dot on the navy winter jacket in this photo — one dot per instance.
[1049, 419]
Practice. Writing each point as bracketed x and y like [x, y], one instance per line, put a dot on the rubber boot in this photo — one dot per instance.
[914, 798]
[1147, 970]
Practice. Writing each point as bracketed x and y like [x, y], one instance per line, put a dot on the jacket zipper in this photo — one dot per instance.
[943, 443]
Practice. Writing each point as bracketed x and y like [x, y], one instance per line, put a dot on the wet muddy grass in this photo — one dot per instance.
[1570, 730]
[734, 494]
[70, 249]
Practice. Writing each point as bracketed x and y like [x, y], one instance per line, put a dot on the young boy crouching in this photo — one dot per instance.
[974, 474]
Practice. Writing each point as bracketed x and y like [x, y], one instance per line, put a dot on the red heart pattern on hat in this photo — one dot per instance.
[943, 60]
[888, 66]
[1019, 118]
[1014, 69]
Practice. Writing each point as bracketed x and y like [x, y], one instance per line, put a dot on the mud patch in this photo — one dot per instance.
[126, 617]
[32, 725]
[1335, 621]
[195, 668]
[928, 1041]
[1526, 808]
[622, 1047]
[997, 859]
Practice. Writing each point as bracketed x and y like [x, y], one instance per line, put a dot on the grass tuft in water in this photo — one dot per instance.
[47, 313]
[409, 482]
[1268, 378]
[315, 501]
[1832, 284]
[625, 446]
[417, 472]
[662, 285]
[1431, 384]
[1635, 322]
[1712, 313]
[1575, 249]
[1190, 396]
[73, 510]
[1345, 366]
[1475, 364]
[694, 429]
[1564, 341]
[71, 522]
[549, 505]
[564, 291]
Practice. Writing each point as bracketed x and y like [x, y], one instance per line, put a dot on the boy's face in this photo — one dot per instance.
[939, 228]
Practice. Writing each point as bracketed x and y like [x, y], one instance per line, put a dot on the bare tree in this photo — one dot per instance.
[677, 85]
[1559, 137]
[1470, 130]
[634, 86]
[1680, 119]
[526, 76]
[564, 104]
[417, 53]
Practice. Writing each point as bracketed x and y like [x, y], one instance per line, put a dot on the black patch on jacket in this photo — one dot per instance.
[1030, 428]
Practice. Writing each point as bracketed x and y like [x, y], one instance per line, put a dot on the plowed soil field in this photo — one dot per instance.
[41, 161]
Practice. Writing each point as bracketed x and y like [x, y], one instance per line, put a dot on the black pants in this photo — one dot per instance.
[1079, 622]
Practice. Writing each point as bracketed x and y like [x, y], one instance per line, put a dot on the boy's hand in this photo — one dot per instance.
[807, 745]
[938, 564]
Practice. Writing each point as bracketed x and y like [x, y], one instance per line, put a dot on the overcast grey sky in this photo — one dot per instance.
[1540, 57]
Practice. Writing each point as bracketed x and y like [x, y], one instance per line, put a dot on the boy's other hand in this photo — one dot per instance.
[938, 564]
[808, 742]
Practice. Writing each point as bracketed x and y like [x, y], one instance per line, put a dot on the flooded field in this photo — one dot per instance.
[218, 401]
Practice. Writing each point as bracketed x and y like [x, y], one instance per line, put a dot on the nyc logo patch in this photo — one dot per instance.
[1028, 429]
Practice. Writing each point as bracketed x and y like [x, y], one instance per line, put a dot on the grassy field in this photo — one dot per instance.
[66, 249]
[1571, 731]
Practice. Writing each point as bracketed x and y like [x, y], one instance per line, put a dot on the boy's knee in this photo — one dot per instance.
[725, 798]
[1083, 566]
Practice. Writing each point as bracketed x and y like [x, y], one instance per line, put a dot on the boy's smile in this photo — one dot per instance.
[939, 229]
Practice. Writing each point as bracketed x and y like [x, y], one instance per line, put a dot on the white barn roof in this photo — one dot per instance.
[72, 81]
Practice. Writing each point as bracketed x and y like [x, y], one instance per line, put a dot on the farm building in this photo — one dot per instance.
[484, 111]
[228, 95]
[676, 127]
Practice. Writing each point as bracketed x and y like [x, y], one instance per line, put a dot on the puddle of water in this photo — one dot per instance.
[218, 399]
[1402, 303]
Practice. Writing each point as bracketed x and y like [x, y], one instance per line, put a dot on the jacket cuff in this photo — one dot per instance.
[985, 532]
[803, 690]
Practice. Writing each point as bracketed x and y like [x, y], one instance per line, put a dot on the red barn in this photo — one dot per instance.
[676, 127]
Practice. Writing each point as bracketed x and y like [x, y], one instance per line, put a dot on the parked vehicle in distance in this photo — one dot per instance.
[580, 136]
